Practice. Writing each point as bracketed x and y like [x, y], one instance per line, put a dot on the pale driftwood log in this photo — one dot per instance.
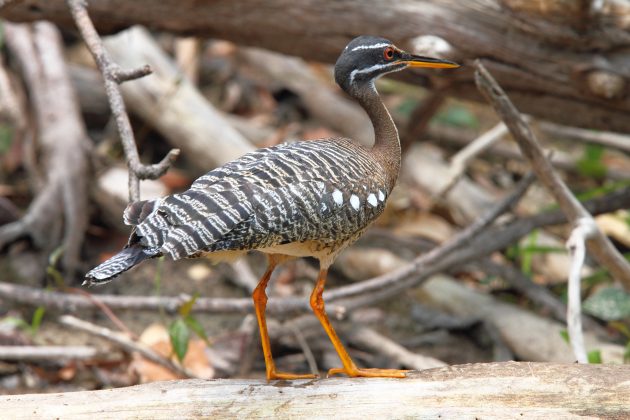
[488, 391]
[170, 103]
[57, 216]
[559, 60]
[530, 336]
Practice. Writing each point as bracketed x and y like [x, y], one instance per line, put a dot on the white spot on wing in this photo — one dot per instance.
[355, 202]
[372, 200]
[337, 197]
[381, 196]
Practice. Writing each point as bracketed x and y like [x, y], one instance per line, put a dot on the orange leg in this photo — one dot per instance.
[260, 303]
[349, 368]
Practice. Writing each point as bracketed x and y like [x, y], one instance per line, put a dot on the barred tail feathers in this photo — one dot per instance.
[119, 263]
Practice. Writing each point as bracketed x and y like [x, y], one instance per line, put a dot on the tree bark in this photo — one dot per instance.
[563, 61]
[488, 391]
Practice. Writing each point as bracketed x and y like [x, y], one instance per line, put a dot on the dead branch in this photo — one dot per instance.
[605, 138]
[58, 213]
[48, 353]
[529, 336]
[584, 228]
[173, 105]
[599, 245]
[113, 76]
[368, 338]
[459, 162]
[535, 292]
[550, 69]
[491, 390]
[125, 343]
[457, 137]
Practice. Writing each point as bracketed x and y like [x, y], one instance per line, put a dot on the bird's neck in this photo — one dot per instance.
[386, 148]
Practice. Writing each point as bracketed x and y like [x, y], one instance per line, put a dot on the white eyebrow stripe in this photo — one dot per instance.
[370, 69]
[369, 47]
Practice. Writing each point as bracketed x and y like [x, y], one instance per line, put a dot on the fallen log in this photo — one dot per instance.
[489, 391]
[563, 61]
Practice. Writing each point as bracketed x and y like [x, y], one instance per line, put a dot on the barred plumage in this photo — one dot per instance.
[309, 198]
[284, 194]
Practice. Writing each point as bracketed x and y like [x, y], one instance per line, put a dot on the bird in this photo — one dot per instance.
[302, 199]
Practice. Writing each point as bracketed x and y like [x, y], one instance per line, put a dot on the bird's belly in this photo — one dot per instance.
[298, 249]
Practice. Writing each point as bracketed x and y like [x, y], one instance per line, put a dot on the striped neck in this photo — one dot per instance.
[386, 147]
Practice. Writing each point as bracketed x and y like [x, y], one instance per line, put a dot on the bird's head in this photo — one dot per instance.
[366, 58]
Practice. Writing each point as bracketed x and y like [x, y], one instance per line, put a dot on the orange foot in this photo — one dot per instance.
[369, 373]
[289, 376]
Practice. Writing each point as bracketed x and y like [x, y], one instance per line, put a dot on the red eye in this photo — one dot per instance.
[388, 53]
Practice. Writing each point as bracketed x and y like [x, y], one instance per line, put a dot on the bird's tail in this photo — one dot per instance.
[119, 263]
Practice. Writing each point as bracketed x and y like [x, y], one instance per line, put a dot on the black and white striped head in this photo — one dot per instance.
[366, 58]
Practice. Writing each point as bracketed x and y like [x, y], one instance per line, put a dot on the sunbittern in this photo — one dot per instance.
[309, 198]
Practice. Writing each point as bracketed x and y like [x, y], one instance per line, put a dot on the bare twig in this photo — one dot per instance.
[113, 76]
[460, 137]
[372, 340]
[576, 244]
[308, 354]
[460, 161]
[599, 245]
[125, 343]
[48, 353]
[605, 138]
[108, 312]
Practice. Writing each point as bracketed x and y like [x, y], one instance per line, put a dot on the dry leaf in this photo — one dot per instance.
[156, 337]
[615, 226]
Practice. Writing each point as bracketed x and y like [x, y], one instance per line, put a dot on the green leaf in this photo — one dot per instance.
[194, 325]
[526, 256]
[457, 116]
[185, 309]
[626, 354]
[565, 336]
[6, 138]
[609, 304]
[180, 335]
[36, 321]
[591, 164]
[594, 356]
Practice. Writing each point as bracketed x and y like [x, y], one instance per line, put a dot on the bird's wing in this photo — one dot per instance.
[276, 195]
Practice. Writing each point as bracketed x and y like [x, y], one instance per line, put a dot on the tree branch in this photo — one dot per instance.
[599, 245]
[113, 76]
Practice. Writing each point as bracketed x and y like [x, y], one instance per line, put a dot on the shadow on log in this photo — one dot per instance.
[493, 390]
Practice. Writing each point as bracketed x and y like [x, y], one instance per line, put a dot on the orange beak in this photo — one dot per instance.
[427, 62]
